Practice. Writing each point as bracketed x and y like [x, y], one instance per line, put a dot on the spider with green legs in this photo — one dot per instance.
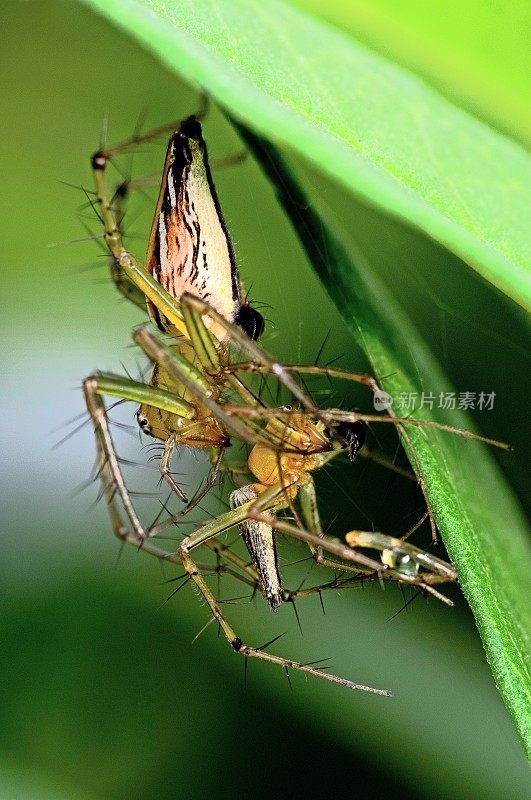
[197, 397]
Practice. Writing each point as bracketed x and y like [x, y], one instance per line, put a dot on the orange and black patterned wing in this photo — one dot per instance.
[189, 247]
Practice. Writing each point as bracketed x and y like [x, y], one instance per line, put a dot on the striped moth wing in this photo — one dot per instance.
[189, 247]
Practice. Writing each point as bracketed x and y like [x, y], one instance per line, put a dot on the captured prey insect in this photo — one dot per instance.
[197, 397]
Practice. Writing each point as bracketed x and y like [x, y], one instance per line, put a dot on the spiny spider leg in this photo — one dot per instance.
[267, 500]
[184, 373]
[264, 362]
[308, 494]
[157, 352]
[337, 416]
[210, 530]
[110, 463]
[104, 469]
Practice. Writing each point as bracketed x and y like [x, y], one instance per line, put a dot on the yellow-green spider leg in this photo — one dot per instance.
[211, 530]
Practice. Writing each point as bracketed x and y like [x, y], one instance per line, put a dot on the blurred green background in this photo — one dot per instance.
[103, 694]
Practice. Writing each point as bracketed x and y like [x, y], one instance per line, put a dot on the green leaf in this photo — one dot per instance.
[480, 521]
[372, 125]
[475, 53]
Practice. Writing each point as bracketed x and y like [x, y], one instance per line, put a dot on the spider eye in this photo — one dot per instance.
[143, 422]
[251, 321]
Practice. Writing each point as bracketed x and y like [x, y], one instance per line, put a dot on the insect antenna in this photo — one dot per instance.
[143, 371]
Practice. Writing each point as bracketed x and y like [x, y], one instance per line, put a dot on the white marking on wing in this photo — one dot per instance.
[163, 244]
[171, 188]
